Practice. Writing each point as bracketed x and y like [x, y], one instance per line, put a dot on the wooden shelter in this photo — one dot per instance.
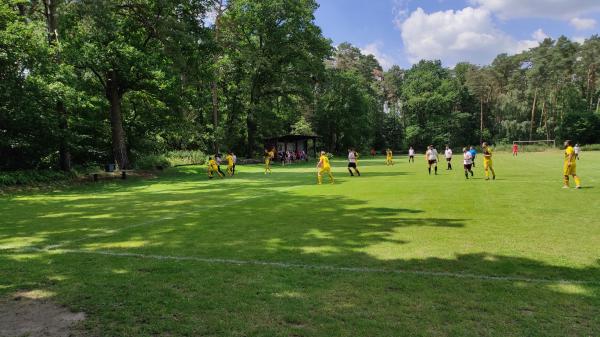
[293, 143]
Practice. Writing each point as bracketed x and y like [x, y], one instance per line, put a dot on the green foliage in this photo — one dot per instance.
[152, 162]
[135, 79]
[302, 127]
[178, 158]
[34, 177]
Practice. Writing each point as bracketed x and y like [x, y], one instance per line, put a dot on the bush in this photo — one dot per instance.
[178, 158]
[151, 162]
[524, 148]
[33, 177]
[590, 147]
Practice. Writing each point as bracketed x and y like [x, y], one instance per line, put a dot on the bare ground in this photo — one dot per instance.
[33, 314]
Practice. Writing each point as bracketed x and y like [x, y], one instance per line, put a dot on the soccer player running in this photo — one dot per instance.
[448, 155]
[411, 154]
[213, 168]
[323, 166]
[230, 164]
[269, 155]
[515, 149]
[487, 161]
[353, 162]
[570, 167]
[467, 162]
[473, 154]
[577, 149]
[389, 160]
[432, 158]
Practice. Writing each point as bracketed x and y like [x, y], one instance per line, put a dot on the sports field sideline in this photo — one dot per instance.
[391, 253]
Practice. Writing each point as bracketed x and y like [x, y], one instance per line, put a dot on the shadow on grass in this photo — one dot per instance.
[135, 296]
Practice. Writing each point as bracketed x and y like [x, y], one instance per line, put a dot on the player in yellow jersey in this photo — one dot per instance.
[269, 155]
[570, 166]
[230, 163]
[213, 168]
[324, 167]
[487, 161]
[389, 160]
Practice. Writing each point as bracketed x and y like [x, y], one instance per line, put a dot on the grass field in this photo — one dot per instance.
[392, 253]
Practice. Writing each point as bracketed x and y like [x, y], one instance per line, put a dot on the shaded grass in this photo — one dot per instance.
[394, 218]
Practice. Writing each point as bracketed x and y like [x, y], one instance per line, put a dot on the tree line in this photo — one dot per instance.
[97, 81]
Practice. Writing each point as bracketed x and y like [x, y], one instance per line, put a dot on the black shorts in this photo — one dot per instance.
[448, 159]
[353, 165]
[431, 162]
[468, 166]
[411, 156]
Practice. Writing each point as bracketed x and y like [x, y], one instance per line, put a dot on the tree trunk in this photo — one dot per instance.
[598, 105]
[213, 84]
[591, 84]
[251, 126]
[480, 120]
[114, 96]
[545, 116]
[64, 152]
[533, 115]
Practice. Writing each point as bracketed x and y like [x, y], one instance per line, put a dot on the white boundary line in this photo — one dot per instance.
[332, 268]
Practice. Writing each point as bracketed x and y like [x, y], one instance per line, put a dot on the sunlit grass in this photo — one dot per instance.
[419, 232]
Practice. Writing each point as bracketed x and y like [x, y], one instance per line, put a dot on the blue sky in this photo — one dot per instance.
[405, 31]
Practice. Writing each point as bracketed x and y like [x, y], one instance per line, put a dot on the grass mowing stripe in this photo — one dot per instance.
[153, 221]
[286, 265]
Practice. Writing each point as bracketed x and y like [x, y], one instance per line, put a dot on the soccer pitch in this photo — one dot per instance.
[395, 252]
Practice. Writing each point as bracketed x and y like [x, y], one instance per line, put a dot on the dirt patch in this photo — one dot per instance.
[33, 314]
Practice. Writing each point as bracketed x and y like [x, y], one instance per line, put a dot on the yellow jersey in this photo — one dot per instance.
[324, 162]
[212, 164]
[569, 151]
[229, 159]
[487, 151]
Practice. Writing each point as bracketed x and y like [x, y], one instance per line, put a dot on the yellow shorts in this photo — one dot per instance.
[570, 170]
[267, 162]
[325, 170]
[487, 163]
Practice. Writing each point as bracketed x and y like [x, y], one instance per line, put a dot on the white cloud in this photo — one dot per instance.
[539, 35]
[578, 39]
[452, 36]
[583, 24]
[374, 49]
[560, 9]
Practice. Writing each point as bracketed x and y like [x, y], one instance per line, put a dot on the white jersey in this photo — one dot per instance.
[411, 152]
[351, 157]
[234, 159]
[431, 154]
[448, 153]
[576, 149]
[467, 158]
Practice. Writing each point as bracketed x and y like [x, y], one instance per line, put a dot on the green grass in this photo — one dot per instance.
[351, 253]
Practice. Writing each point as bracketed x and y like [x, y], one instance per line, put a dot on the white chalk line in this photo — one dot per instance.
[324, 267]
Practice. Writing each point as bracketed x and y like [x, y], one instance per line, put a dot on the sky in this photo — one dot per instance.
[403, 32]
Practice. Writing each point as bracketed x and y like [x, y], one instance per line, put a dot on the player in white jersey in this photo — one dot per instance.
[448, 156]
[432, 158]
[467, 162]
[352, 159]
[411, 154]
